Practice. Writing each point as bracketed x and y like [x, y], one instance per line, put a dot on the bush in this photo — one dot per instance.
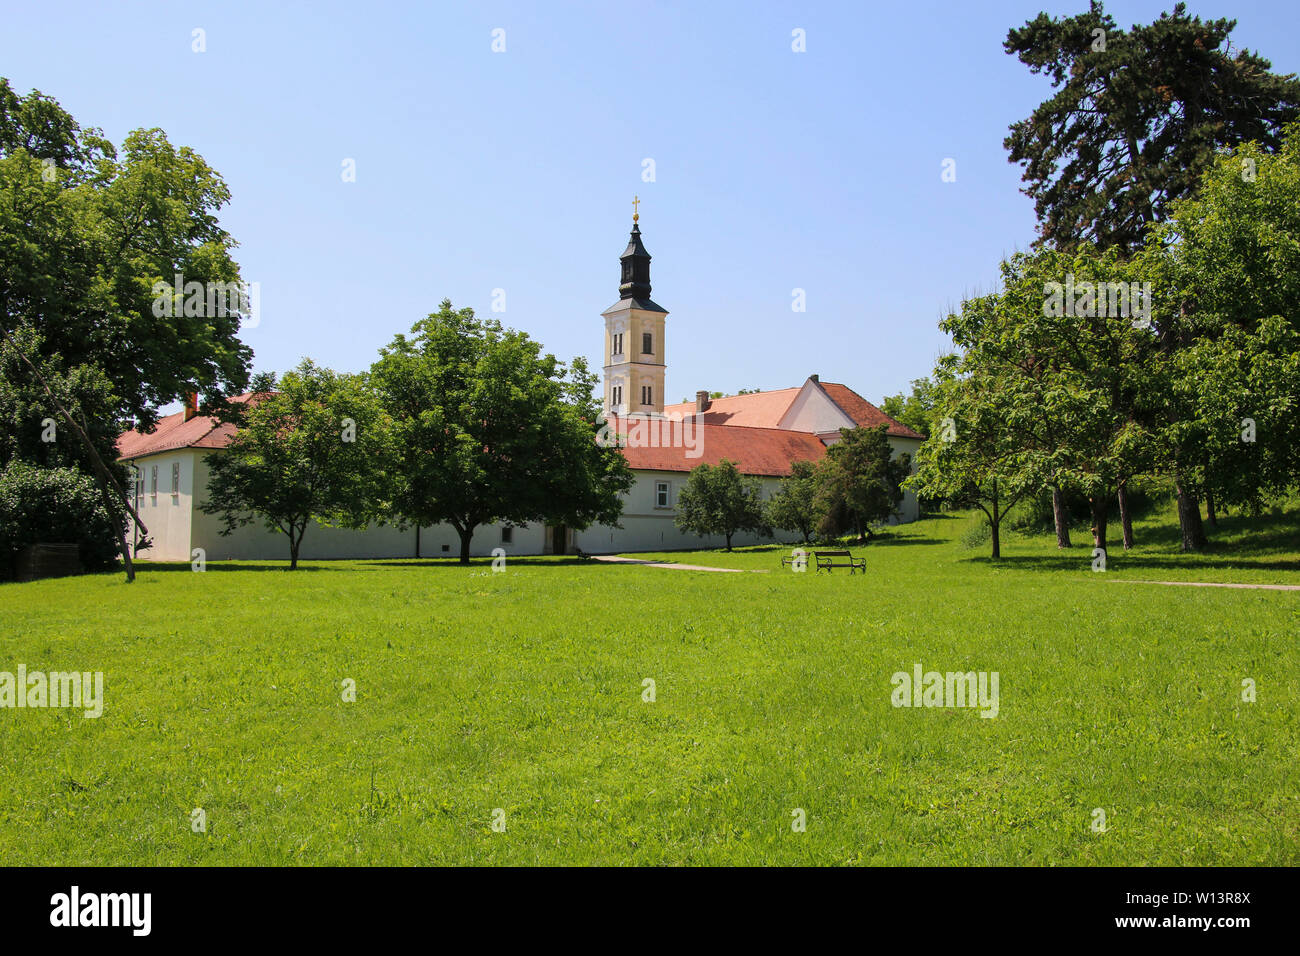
[54, 505]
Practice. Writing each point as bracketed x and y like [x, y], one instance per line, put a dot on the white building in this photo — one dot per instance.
[763, 433]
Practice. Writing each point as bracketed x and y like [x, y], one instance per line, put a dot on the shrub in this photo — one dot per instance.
[54, 505]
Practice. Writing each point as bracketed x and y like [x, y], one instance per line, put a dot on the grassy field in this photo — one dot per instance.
[523, 691]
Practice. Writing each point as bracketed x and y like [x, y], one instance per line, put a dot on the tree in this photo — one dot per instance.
[974, 459]
[718, 499]
[1230, 334]
[794, 506]
[319, 448]
[859, 482]
[916, 410]
[1137, 116]
[489, 429]
[1069, 346]
[85, 240]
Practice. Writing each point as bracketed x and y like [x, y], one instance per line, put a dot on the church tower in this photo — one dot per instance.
[634, 337]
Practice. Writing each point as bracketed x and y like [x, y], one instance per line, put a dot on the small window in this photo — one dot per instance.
[153, 484]
[647, 395]
[618, 343]
[646, 342]
[661, 494]
[176, 480]
[616, 395]
[507, 535]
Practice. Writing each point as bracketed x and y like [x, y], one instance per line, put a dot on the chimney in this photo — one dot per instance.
[815, 379]
[191, 405]
[701, 401]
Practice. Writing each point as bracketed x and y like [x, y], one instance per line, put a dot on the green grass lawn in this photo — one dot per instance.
[523, 691]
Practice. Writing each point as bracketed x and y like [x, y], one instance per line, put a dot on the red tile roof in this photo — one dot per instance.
[741, 428]
[173, 431]
[756, 451]
[864, 413]
[766, 409]
[756, 410]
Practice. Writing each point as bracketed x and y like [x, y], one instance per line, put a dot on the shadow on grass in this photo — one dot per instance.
[220, 566]
[483, 562]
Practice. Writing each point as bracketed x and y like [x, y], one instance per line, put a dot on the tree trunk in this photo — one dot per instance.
[1125, 516]
[728, 540]
[1209, 509]
[1189, 518]
[465, 537]
[293, 553]
[995, 520]
[1061, 518]
[123, 546]
[417, 540]
[1100, 514]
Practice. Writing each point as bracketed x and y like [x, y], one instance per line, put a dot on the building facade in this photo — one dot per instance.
[764, 433]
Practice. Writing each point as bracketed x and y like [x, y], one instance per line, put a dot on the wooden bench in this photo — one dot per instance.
[840, 559]
[789, 559]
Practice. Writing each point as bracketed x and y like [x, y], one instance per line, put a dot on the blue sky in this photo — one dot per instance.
[477, 170]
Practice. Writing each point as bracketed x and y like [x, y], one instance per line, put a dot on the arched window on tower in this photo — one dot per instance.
[646, 343]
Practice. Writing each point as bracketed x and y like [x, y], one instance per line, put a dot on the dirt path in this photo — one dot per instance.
[615, 559]
[1212, 584]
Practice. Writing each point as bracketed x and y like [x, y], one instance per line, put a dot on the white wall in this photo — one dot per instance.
[647, 527]
[253, 542]
[177, 526]
[166, 517]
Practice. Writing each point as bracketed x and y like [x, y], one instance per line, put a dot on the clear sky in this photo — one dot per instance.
[479, 170]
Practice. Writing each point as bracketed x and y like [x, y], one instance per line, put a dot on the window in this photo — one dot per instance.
[647, 395]
[176, 480]
[661, 494]
[618, 343]
[646, 342]
[507, 535]
[617, 395]
[139, 486]
[153, 484]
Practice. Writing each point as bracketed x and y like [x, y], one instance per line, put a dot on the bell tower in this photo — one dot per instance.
[634, 336]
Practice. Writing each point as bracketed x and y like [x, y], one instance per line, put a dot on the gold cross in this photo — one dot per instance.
[636, 200]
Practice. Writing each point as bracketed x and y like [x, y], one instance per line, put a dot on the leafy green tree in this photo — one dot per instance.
[1069, 345]
[973, 459]
[1230, 333]
[86, 236]
[319, 448]
[489, 429]
[916, 410]
[859, 482]
[718, 499]
[794, 505]
[1135, 119]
